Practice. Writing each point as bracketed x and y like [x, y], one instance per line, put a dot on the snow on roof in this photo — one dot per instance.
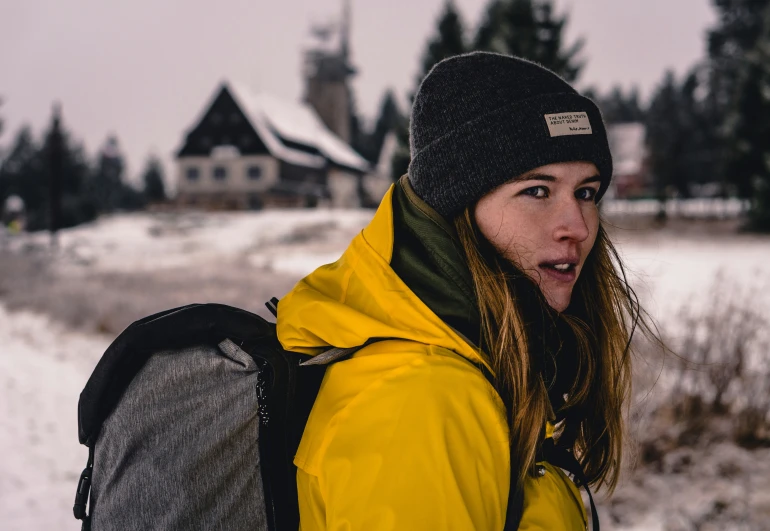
[275, 118]
[627, 147]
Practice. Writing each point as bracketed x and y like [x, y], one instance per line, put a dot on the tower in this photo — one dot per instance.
[327, 73]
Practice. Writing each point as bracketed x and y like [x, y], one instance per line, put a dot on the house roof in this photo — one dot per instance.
[293, 132]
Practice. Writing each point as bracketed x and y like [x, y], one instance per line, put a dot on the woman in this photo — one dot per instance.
[494, 314]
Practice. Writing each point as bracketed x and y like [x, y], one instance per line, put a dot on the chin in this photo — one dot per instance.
[559, 301]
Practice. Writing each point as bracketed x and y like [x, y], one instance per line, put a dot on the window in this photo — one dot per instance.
[254, 172]
[235, 118]
[193, 174]
[216, 118]
[220, 173]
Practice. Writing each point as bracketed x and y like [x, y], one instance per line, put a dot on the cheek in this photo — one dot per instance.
[592, 221]
[513, 238]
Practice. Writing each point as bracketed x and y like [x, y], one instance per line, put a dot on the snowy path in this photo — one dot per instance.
[42, 371]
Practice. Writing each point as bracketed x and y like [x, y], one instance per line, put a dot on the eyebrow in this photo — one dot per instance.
[552, 179]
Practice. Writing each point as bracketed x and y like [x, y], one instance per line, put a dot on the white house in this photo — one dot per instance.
[250, 150]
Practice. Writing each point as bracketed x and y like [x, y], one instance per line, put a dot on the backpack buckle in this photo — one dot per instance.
[84, 488]
[81, 496]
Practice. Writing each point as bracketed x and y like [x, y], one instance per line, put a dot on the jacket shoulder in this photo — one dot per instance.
[415, 430]
[391, 384]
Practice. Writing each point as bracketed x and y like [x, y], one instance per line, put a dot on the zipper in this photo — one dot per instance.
[262, 402]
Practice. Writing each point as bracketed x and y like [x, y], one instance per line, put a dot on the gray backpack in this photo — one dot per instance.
[192, 418]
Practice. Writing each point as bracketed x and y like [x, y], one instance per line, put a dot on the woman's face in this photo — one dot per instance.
[545, 222]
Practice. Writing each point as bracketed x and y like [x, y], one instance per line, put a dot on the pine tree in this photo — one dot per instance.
[739, 26]
[26, 170]
[448, 41]
[107, 178]
[685, 148]
[619, 107]
[154, 189]
[665, 140]
[529, 29]
[749, 131]
[388, 120]
[108, 189]
[22, 173]
[369, 144]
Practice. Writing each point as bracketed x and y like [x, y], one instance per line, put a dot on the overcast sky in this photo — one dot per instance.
[145, 68]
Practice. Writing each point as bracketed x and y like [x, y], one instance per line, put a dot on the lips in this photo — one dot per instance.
[555, 269]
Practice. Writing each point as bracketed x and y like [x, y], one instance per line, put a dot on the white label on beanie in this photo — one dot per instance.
[568, 123]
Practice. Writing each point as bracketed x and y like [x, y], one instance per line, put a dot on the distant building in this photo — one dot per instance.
[252, 150]
[631, 176]
[327, 71]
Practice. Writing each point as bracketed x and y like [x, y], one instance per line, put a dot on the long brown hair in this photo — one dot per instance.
[602, 316]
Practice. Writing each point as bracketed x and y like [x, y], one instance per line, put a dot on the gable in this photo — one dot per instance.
[223, 123]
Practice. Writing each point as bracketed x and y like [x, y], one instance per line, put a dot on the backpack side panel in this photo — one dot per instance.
[180, 450]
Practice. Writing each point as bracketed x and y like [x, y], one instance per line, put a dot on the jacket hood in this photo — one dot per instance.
[403, 277]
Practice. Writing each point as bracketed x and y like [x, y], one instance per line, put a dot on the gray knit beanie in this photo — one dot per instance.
[481, 119]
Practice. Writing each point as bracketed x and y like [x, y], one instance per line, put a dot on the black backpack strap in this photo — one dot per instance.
[556, 456]
[566, 460]
[272, 305]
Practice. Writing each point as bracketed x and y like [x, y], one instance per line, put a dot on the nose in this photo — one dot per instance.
[571, 223]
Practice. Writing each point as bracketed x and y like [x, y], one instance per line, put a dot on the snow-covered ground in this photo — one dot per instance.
[289, 241]
[44, 365]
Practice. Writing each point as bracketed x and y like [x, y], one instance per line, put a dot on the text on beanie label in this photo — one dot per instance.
[568, 123]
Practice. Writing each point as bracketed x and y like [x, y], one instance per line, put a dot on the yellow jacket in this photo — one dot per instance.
[408, 434]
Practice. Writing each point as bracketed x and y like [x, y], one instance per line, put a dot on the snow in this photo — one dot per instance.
[668, 268]
[130, 243]
[702, 208]
[44, 366]
[671, 271]
[297, 122]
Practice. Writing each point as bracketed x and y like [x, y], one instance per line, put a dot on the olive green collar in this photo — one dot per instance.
[428, 257]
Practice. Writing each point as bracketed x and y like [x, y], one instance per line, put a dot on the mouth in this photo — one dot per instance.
[562, 269]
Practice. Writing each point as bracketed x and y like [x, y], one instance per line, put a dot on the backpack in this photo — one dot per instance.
[192, 418]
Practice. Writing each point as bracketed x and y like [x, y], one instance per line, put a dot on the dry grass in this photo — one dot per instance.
[715, 385]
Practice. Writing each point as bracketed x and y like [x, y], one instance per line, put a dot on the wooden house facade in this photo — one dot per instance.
[248, 151]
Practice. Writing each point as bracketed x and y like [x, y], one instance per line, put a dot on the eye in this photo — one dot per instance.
[586, 194]
[538, 192]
